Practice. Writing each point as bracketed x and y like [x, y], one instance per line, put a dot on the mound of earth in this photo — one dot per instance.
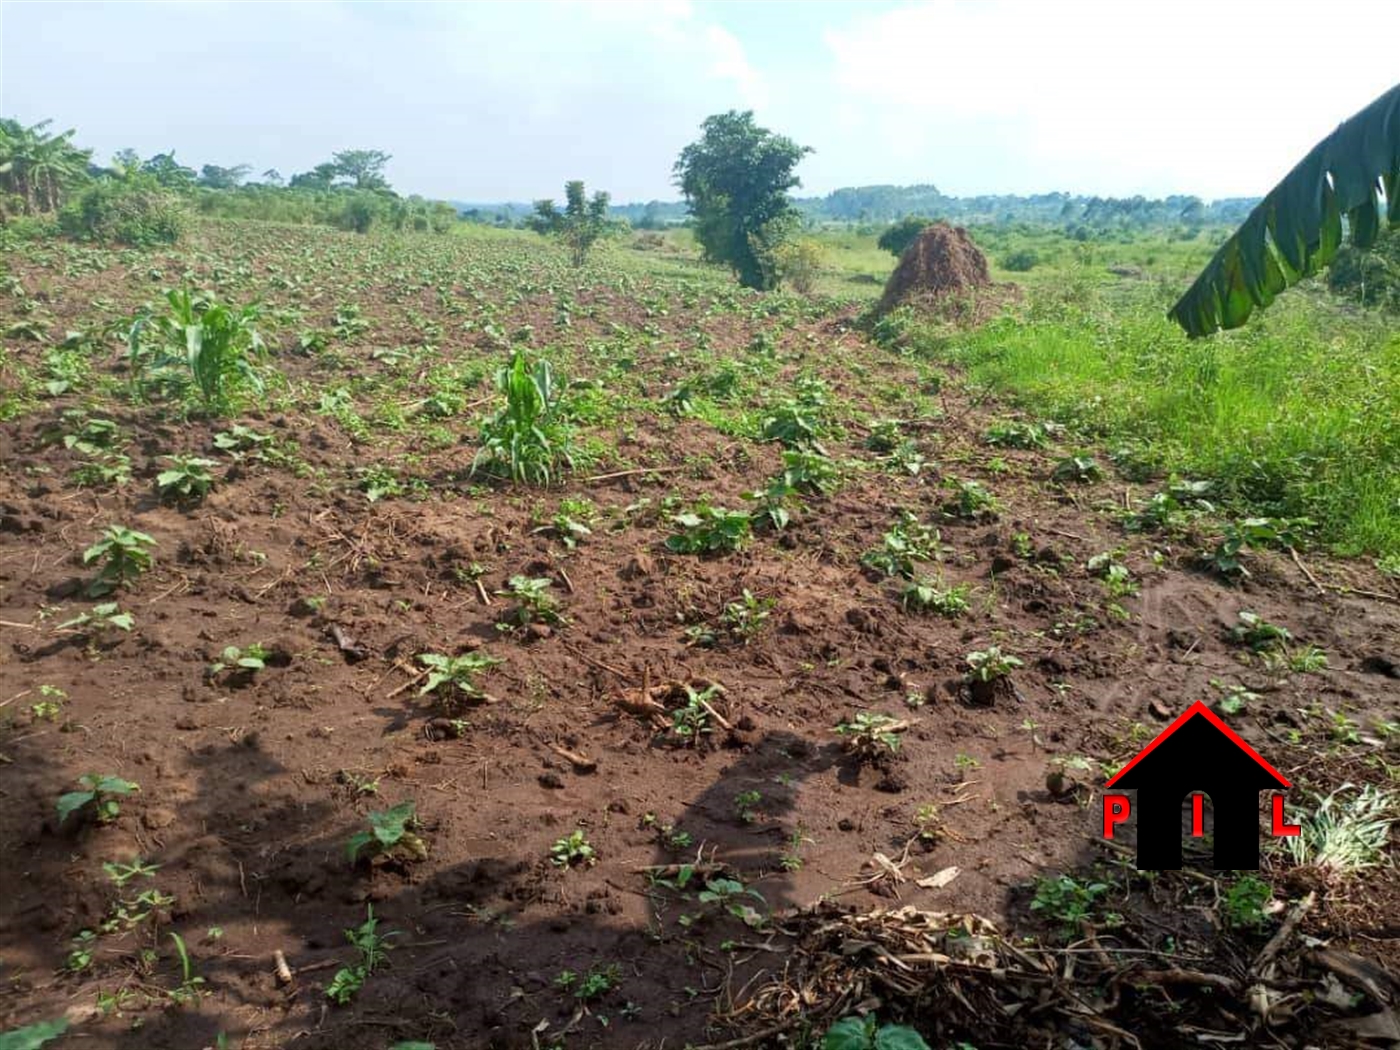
[941, 270]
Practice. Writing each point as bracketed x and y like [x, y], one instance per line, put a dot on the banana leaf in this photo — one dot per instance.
[1296, 230]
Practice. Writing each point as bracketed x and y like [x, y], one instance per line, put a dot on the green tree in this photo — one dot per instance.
[38, 168]
[218, 178]
[169, 172]
[902, 234]
[579, 225]
[1296, 230]
[735, 180]
[365, 167]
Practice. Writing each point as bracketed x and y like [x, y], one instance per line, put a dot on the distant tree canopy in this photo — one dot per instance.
[735, 180]
[37, 169]
[902, 234]
[217, 178]
[579, 225]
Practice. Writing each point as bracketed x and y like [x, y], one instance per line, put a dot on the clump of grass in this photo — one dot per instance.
[1346, 831]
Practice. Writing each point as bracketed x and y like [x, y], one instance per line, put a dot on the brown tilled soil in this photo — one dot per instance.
[251, 785]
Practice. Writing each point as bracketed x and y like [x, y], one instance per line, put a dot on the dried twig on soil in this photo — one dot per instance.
[581, 763]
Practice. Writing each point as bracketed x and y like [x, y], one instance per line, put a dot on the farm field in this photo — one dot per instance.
[823, 617]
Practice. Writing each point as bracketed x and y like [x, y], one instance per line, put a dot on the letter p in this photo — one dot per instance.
[1115, 811]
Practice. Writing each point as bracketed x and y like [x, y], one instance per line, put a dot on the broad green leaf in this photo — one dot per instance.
[33, 1036]
[898, 1037]
[71, 802]
[850, 1033]
[1297, 228]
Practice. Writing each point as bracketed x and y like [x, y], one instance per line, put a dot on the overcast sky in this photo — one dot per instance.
[490, 101]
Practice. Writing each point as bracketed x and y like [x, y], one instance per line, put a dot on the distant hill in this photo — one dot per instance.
[879, 205]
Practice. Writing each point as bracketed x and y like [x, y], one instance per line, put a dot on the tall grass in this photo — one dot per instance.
[1294, 415]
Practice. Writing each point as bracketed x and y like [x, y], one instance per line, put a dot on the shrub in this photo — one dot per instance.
[139, 214]
[1022, 261]
[902, 234]
[798, 262]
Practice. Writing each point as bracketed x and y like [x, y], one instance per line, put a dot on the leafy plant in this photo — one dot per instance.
[105, 616]
[217, 343]
[34, 1036]
[373, 948]
[529, 438]
[98, 796]
[572, 850]
[1015, 434]
[746, 805]
[971, 499]
[909, 541]
[593, 985]
[579, 225]
[186, 478]
[533, 601]
[1297, 228]
[728, 895]
[1259, 634]
[990, 664]
[1243, 903]
[746, 617]
[805, 470]
[924, 595]
[453, 678]
[391, 832]
[1254, 534]
[866, 1033]
[125, 555]
[692, 719]
[190, 982]
[870, 737]
[1066, 900]
[248, 660]
[1345, 831]
[1080, 468]
[709, 530]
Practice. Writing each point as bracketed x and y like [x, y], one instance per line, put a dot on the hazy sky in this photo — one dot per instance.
[488, 101]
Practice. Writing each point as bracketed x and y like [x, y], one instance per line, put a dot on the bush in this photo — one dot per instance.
[799, 263]
[360, 212]
[136, 213]
[902, 234]
[1022, 261]
[1371, 278]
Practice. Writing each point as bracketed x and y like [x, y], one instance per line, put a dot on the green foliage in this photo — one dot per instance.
[217, 343]
[1253, 534]
[572, 850]
[1243, 903]
[453, 678]
[1297, 228]
[710, 530]
[125, 555]
[101, 617]
[1259, 634]
[1371, 278]
[529, 439]
[869, 736]
[34, 1036]
[373, 948]
[1015, 434]
[138, 213]
[691, 720]
[391, 832]
[902, 234]
[924, 595]
[98, 795]
[866, 1033]
[746, 617]
[1080, 468]
[247, 660]
[1066, 900]
[579, 226]
[735, 180]
[533, 601]
[798, 263]
[1022, 261]
[990, 664]
[908, 542]
[1346, 831]
[187, 478]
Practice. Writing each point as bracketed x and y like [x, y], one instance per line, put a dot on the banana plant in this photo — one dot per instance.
[1296, 230]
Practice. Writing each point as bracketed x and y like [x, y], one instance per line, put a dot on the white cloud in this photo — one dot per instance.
[1124, 98]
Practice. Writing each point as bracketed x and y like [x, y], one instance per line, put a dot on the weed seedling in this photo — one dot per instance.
[101, 618]
[452, 679]
[1066, 900]
[870, 737]
[573, 850]
[241, 661]
[391, 834]
[746, 617]
[533, 602]
[186, 478]
[373, 948]
[867, 1033]
[710, 530]
[98, 797]
[125, 554]
[746, 806]
[1243, 903]
[191, 984]
[923, 595]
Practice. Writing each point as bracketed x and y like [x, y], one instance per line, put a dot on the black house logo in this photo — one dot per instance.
[1197, 755]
